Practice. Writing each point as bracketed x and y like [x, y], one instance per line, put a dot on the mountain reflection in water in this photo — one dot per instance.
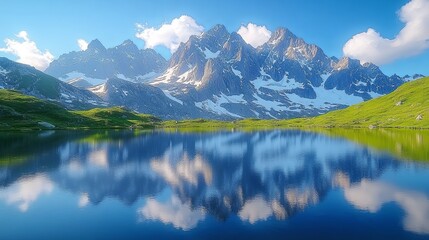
[182, 179]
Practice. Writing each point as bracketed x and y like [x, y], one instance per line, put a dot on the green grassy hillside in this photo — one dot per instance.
[22, 112]
[407, 106]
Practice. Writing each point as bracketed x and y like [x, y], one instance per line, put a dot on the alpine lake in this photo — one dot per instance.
[226, 184]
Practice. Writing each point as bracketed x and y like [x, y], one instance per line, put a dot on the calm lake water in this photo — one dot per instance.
[277, 184]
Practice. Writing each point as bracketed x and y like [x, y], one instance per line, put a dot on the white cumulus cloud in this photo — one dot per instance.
[254, 35]
[171, 34]
[27, 51]
[413, 39]
[83, 45]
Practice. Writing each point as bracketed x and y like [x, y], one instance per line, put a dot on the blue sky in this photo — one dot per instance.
[56, 25]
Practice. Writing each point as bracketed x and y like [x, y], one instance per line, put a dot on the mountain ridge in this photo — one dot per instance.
[97, 63]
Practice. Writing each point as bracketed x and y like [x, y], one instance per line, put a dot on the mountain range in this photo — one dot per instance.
[218, 75]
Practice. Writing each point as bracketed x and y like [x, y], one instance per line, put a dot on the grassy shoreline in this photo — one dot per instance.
[267, 124]
[204, 125]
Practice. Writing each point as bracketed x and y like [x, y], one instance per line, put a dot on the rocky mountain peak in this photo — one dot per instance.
[218, 30]
[127, 43]
[371, 66]
[234, 43]
[96, 45]
[346, 62]
[128, 46]
[281, 35]
[417, 75]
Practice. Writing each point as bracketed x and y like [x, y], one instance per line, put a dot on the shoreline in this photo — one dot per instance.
[213, 125]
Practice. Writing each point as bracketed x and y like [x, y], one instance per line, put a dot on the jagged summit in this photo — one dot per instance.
[128, 46]
[281, 35]
[96, 45]
[218, 30]
[127, 42]
[346, 62]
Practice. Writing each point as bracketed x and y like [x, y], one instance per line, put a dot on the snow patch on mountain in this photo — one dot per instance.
[213, 107]
[3, 71]
[78, 75]
[364, 84]
[230, 99]
[216, 105]
[269, 104]
[209, 54]
[99, 89]
[186, 78]
[147, 77]
[325, 76]
[325, 99]
[166, 77]
[66, 96]
[122, 76]
[265, 81]
[168, 94]
[140, 78]
[237, 72]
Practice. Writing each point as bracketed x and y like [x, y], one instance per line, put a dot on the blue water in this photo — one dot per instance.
[224, 185]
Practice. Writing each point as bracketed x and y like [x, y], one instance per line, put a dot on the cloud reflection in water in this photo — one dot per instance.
[26, 191]
[174, 211]
[370, 196]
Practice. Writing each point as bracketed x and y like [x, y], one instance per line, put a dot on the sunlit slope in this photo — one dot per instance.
[19, 112]
[408, 106]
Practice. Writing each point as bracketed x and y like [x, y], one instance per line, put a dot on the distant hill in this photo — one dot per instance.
[22, 112]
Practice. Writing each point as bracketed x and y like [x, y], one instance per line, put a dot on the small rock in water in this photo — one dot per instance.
[419, 117]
